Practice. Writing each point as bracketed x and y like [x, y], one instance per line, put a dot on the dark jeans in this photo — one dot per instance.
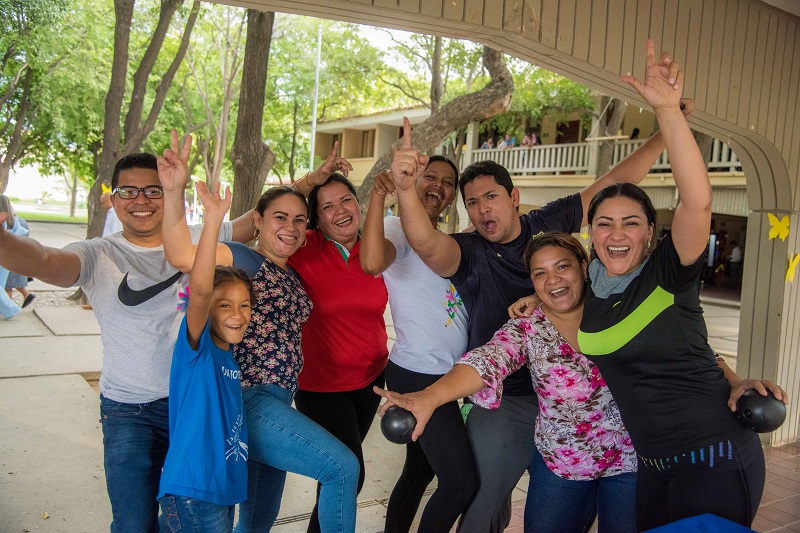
[666, 496]
[443, 450]
[347, 416]
[179, 513]
[135, 443]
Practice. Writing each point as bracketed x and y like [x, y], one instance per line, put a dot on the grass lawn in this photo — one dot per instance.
[51, 217]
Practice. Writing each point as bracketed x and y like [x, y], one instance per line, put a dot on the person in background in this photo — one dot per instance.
[735, 260]
[488, 144]
[505, 143]
[15, 226]
[112, 225]
[530, 139]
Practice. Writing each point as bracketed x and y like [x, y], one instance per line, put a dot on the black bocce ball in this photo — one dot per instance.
[762, 414]
[397, 425]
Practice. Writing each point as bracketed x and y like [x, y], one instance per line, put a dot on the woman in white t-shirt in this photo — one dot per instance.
[431, 325]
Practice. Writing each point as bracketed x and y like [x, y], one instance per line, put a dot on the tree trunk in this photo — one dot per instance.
[252, 159]
[293, 152]
[437, 86]
[136, 131]
[73, 196]
[112, 131]
[493, 99]
[610, 122]
[452, 217]
[15, 148]
[5, 173]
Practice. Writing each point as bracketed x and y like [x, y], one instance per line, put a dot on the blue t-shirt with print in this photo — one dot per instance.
[207, 457]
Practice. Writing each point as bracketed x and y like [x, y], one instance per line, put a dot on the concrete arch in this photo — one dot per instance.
[741, 61]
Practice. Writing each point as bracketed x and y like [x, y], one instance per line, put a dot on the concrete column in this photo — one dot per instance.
[470, 144]
[769, 324]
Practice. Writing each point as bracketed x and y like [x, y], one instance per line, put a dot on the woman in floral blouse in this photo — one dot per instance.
[584, 461]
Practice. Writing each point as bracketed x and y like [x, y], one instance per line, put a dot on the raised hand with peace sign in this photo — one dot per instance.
[173, 165]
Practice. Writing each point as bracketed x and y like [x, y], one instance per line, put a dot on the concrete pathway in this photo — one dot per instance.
[51, 461]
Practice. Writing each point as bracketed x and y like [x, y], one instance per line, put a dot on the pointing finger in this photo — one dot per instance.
[332, 155]
[406, 134]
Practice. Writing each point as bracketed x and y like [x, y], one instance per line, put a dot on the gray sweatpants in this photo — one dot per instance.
[502, 441]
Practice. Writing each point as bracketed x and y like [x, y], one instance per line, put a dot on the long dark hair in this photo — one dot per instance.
[559, 240]
[623, 190]
[313, 197]
[443, 159]
[225, 275]
[273, 194]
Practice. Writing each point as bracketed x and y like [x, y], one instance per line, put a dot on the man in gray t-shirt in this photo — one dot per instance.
[137, 298]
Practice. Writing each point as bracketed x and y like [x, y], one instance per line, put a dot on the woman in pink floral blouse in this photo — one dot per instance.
[584, 461]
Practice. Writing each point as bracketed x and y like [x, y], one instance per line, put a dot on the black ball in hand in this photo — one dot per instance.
[761, 414]
[397, 425]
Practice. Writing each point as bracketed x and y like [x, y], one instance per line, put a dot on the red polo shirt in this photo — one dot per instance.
[344, 340]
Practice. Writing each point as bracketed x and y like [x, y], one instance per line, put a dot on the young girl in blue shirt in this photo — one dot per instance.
[205, 472]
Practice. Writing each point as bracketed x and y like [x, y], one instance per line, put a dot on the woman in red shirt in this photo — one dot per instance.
[344, 340]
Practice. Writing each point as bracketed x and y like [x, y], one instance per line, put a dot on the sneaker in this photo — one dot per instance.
[28, 300]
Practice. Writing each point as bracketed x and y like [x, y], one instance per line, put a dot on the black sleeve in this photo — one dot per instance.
[674, 276]
[564, 214]
[467, 242]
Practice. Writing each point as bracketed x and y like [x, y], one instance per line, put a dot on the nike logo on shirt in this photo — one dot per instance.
[133, 298]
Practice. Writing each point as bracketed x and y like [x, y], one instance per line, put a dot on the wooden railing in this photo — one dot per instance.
[573, 158]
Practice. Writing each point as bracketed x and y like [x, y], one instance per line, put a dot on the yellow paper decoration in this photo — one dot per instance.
[778, 228]
[105, 188]
[792, 267]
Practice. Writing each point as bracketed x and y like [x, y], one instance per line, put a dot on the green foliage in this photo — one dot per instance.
[65, 50]
[461, 67]
[69, 52]
[349, 83]
[539, 92]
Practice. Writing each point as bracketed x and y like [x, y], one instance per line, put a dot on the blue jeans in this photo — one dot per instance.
[559, 505]
[179, 513]
[135, 442]
[284, 440]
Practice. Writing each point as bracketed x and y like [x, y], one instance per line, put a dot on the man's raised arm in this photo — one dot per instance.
[438, 250]
[30, 258]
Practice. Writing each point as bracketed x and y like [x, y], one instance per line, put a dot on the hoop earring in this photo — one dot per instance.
[591, 245]
[305, 242]
[256, 234]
